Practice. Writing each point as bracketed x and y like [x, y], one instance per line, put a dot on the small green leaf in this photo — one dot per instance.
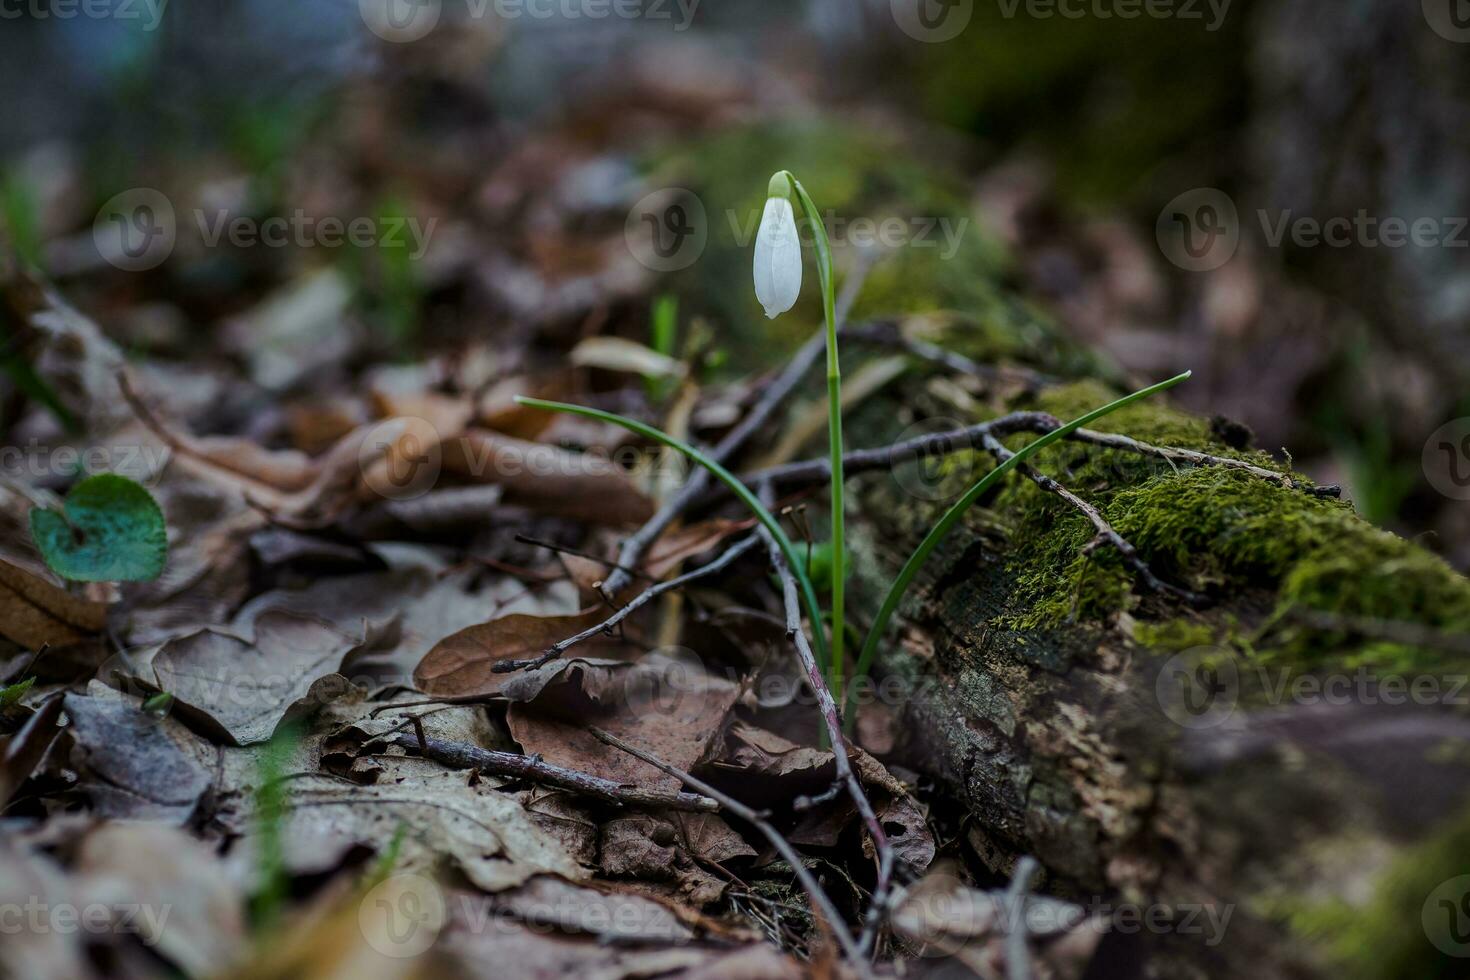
[111, 531]
[10, 696]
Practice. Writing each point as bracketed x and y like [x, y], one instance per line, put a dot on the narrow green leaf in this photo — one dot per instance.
[111, 530]
[793, 559]
[951, 517]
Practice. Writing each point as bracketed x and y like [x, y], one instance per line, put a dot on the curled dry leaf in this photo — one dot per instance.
[133, 765]
[621, 354]
[463, 663]
[37, 609]
[550, 480]
[240, 690]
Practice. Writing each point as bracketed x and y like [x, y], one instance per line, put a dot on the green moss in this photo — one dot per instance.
[1174, 634]
[1386, 937]
[1211, 527]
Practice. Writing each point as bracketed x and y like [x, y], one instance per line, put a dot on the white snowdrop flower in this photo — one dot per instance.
[778, 251]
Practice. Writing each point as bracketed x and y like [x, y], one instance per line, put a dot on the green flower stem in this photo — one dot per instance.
[951, 517]
[767, 519]
[834, 435]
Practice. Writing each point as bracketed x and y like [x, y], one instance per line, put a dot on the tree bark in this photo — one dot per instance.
[1134, 778]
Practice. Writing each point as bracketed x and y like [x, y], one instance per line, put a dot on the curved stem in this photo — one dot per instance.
[834, 435]
[951, 517]
[767, 519]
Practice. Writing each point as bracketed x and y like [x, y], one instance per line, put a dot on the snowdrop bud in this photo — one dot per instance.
[778, 251]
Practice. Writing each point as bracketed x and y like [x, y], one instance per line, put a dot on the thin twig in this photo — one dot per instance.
[563, 549]
[1173, 454]
[814, 891]
[811, 471]
[1018, 957]
[1105, 531]
[458, 755]
[640, 541]
[886, 457]
[833, 723]
[643, 598]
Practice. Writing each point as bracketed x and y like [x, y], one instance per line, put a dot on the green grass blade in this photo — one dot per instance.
[767, 519]
[834, 437]
[951, 517]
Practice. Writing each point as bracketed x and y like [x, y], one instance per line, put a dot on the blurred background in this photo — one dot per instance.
[1272, 194]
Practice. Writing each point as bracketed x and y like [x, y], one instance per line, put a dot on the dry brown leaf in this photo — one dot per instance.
[550, 480]
[334, 478]
[463, 663]
[621, 354]
[240, 690]
[945, 917]
[42, 954]
[133, 765]
[158, 867]
[666, 704]
[37, 611]
[458, 816]
[680, 544]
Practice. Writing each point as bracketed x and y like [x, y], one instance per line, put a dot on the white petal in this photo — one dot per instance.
[777, 258]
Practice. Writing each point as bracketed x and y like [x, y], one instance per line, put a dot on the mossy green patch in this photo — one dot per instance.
[1411, 926]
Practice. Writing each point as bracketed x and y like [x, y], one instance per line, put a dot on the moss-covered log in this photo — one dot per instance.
[1293, 755]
